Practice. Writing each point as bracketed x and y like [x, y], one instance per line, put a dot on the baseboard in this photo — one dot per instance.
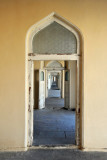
[17, 149]
[94, 149]
[21, 149]
[55, 147]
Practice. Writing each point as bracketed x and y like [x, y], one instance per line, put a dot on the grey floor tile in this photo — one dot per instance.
[54, 124]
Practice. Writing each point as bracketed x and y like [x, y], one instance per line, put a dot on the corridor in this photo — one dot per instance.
[54, 125]
[54, 91]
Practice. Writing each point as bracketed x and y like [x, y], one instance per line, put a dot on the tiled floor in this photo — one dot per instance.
[54, 125]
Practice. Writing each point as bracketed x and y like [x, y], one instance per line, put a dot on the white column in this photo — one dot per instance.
[60, 80]
[42, 86]
[46, 83]
[41, 102]
[67, 90]
[73, 82]
[41, 64]
[30, 101]
[63, 78]
[78, 105]
[51, 79]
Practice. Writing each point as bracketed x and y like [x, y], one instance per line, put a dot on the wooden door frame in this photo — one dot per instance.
[30, 57]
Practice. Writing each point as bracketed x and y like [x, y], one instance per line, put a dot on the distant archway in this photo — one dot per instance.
[57, 67]
[54, 64]
[74, 52]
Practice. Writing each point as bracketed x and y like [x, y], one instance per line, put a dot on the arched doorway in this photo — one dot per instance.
[68, 47]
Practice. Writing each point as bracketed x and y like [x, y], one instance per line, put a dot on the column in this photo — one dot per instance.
[73, 82]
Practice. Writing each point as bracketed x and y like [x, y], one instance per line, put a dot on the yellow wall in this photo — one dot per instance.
[16, 16]
[37, 65]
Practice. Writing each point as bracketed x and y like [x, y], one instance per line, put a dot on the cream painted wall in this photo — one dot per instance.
[37, 65]
[16, 16]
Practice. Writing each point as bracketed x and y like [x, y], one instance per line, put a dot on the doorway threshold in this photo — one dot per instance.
[55, 147]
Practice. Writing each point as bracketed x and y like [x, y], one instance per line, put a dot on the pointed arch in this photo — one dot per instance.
[53, 17]
[54, 64]
[54, 39]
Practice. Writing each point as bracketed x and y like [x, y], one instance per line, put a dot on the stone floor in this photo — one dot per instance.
[53, 154]
[54, 93]
[54, 125]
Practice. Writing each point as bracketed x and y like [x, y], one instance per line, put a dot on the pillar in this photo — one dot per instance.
[73, 82]
[63, 81]
[46, 83]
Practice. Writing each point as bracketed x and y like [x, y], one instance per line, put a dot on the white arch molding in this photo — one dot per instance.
[54, 64]
[30, 57]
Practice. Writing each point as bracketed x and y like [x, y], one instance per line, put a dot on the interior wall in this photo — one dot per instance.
[37, 65]
[16, 17]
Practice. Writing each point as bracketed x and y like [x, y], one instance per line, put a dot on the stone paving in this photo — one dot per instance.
[54, 125]
[53, 154]
[54, 93]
